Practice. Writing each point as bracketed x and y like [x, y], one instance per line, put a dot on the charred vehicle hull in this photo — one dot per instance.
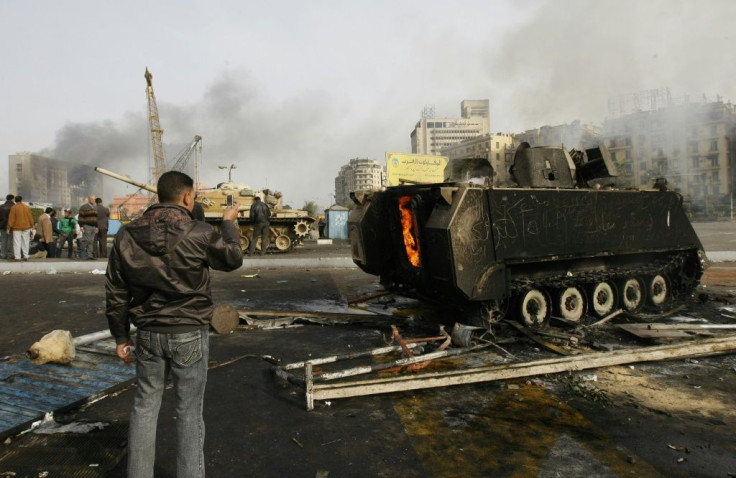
[535, 252]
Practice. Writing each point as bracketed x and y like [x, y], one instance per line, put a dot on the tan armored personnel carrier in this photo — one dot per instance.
[288, 226]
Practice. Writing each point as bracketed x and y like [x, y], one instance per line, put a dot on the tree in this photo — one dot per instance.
[310, 207]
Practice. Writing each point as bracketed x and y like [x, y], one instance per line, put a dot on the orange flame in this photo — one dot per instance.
[407, 227]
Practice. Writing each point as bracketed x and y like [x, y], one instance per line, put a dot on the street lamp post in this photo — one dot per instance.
[229, 171]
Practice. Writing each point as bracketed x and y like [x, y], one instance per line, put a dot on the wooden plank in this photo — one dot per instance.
[699, 348]
[657, 326]
[668, 331]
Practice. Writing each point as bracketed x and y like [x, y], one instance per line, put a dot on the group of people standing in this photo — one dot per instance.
[89, 230]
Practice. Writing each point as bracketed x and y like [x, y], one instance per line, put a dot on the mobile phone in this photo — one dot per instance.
[229, 200]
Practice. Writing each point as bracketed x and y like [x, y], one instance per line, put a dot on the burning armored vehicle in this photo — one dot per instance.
[554, 243]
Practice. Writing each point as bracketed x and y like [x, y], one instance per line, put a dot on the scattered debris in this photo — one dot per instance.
[677, 448]
[297, 442]
[54, 347]
[52, 426]
[251, 276]
[580, 385]
[669, 331]
[282, 318]
[532, 334]
[368, 297]
[607, 318]
[316, 390]
[97, 272]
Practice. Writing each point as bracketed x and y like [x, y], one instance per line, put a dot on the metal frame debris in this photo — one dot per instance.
[315, 389]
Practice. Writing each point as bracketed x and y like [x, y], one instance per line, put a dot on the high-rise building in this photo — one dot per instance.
[692, 145]
[360, 174]
[39, 179]
[43, 180]
[431, 134]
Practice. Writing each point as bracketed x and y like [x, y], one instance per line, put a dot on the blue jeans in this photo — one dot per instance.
[185, 357]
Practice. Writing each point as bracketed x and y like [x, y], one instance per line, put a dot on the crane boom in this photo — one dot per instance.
[183, 157]
[159, 160]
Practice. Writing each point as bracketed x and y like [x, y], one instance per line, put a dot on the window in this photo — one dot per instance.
[714, 145]
[695, 160]
[714, 130]
[693, 146]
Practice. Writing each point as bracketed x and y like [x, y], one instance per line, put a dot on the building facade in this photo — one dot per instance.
[42, 180]
[431, 135]
[575, 135]
[497, 148]
[39, 179]
[690, 144]
[360, 174]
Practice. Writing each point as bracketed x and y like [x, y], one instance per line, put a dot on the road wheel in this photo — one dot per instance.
[534, 307]
[570, 303]
[244, 242]
[282, 242]
[632, 294]
[658, 290]
[602, 298]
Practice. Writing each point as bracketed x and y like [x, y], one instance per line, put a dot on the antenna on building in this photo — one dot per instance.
[428, 112]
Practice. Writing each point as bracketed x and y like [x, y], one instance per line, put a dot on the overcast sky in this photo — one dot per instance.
[289, 91]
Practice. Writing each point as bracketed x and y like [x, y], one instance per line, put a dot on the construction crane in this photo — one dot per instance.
[159, 160]
[182, 158]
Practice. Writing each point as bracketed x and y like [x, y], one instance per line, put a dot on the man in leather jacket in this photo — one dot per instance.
[158, 280]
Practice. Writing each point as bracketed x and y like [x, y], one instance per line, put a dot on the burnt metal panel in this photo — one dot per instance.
[543, 168]
[546, 224]
[369, 234]
[28, 391]
[463, 229]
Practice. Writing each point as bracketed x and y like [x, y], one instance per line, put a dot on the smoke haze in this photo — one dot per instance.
[298, 95]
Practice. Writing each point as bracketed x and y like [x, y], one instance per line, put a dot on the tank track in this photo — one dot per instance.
[676, 262]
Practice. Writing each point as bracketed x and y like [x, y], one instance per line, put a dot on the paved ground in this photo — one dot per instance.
[662, 419]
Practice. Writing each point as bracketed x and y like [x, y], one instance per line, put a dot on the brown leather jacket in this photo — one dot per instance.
[158, 271]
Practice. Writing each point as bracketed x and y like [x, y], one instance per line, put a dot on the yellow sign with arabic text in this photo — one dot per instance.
[414, 168]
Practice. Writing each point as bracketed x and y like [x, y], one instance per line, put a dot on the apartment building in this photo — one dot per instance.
[360, 174]
[432, 134]
[39, 179]
[48, 181]
[690, 144]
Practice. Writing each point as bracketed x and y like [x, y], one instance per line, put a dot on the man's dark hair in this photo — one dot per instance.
[98, 200]
[257, 198]
[9, 197]
[172, 184]
[18, 198]
[48, 210]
